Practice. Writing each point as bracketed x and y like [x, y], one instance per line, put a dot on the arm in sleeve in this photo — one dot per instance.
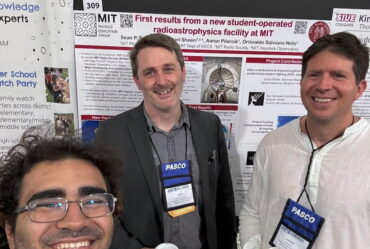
[121, 238]
[249, 220]
[225, 209]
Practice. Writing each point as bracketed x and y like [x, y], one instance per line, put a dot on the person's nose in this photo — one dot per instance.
[325, 82]
[161, 78]
[74, 218]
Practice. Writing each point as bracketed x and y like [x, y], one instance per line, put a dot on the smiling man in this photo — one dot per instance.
[310, 186]
[58, 193]
[176, 178]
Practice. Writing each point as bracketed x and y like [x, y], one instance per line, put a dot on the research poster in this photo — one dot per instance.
[245, 70]
[357, 22]
[37, 73]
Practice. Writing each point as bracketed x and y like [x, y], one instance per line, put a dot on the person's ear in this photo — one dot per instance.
[361, 87]
[137, 82]
[183, 74]
[10, 235]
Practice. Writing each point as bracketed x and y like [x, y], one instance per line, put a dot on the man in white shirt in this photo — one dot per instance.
[319, 161]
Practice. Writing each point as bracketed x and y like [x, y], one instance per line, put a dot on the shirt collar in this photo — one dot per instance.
[182, 122]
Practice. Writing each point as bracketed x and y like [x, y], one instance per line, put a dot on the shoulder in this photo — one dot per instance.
[363, 123]
[124, 116]
[361, 128]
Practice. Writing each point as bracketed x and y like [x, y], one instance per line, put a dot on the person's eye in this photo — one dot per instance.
[312, 75]
[339, 75]
[148, 73]
[169, 69]
[94, 202]
[48, 204]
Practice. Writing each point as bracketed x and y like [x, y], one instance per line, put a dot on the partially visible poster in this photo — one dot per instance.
[245, 70]
[357, 22]
[37, 74]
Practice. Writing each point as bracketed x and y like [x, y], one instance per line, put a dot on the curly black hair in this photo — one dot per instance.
[33, 149]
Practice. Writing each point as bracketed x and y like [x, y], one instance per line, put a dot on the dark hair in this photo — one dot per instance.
[342, 43]
[155, 40]
[33, 149]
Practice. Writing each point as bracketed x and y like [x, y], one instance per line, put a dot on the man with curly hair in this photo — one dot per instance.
[58, 193]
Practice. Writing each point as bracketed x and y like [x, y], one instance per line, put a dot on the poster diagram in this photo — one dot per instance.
[221, 80]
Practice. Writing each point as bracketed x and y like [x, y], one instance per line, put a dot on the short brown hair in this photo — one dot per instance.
[155, 40]
[345, 44]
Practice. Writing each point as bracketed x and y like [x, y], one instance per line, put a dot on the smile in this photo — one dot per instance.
[323, 100]
[163, 91]
[73, 245]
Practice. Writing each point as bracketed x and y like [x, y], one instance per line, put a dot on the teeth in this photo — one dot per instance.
[322, 100]
[73, 245]
[163, 92]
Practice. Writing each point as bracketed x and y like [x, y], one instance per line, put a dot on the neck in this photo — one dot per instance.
[322, 132]
[164, 120]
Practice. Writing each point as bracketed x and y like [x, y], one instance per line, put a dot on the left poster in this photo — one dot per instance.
[37, 73]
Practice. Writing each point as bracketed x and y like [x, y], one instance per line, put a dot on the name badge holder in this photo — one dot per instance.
[298, 227]
[177, 187]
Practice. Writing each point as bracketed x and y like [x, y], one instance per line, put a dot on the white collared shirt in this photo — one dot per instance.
[338, 186]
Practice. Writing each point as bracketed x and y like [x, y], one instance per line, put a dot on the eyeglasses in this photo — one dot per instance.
[54, 209]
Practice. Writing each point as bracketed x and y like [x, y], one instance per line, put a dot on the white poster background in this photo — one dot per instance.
[223, 63]
[36, 35]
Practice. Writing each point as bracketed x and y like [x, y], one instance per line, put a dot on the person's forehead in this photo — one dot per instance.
[327, 56]
[68, 176]
[150, 55]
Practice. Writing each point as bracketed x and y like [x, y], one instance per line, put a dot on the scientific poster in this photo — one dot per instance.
[37, 73]
[245, 70]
